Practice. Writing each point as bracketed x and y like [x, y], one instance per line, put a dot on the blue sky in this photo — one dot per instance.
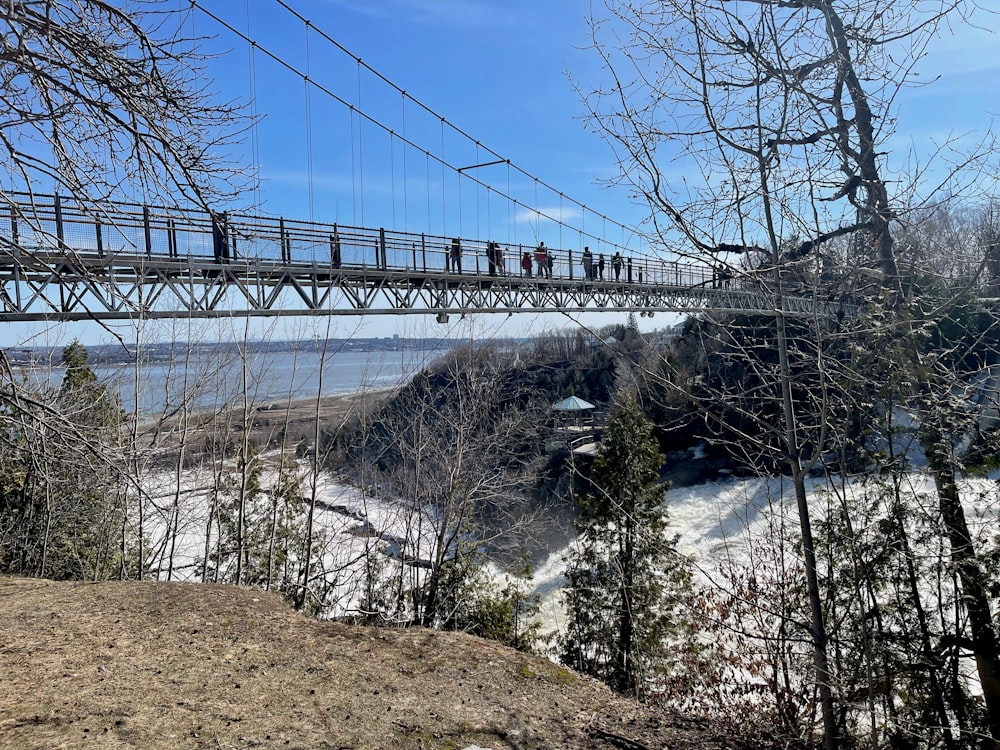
[499, 71]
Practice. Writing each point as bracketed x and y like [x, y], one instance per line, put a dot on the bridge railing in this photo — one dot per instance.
[345, 246]
[46, 224]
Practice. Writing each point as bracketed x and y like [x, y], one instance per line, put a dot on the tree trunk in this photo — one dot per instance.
[817, 626]
[626, 677]
[793, 456]
[428, 604]
[930, 661]
[300, 599]
[970, 574]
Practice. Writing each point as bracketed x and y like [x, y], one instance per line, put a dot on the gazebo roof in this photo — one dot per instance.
[572, 404]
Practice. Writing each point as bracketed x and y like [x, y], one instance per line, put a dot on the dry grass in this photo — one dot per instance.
[158, 665]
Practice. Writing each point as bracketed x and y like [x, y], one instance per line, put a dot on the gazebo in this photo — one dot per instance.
[573, 405]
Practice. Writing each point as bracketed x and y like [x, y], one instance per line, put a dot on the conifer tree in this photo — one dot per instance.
[625, 581]
[62, 505]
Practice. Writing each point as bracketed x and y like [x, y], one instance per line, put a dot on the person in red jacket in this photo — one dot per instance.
[542, 260]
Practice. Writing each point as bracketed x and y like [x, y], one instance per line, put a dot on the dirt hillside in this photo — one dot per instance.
[157, 665]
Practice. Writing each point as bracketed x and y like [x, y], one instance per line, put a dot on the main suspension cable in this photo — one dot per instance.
[539, 214]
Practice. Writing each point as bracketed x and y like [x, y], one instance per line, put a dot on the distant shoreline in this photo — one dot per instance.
[330, 405]
[285, 422]
[159, 353]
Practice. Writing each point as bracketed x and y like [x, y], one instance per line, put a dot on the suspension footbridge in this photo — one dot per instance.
[61, 260]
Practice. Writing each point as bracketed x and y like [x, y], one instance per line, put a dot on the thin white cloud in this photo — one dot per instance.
[963, 50]
[541, 215]
[434, 12]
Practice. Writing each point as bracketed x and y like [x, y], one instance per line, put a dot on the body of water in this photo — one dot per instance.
[208, 380]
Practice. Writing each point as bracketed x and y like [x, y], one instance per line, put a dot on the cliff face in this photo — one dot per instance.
[158, 665]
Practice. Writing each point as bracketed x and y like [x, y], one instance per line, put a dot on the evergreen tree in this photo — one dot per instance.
[258, 525]
[625, 582]
[62, 504]
[78, 376]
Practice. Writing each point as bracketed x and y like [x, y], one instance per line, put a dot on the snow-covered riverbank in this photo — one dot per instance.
[721, 526]
[352, 527]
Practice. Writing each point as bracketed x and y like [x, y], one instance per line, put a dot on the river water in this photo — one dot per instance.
[210, 380]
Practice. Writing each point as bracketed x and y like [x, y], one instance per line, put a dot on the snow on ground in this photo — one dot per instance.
[723, 523]
[718, 524]
[349, 524]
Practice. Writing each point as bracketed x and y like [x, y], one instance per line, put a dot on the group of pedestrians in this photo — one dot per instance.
[540, 263]
[594, 271]
[544, 261]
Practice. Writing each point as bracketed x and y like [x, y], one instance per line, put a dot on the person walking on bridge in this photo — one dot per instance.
[616, 264]
[526, 264]
[220, 237]
[456, 255]
[491, 257]
[542, 260]
[588, 264]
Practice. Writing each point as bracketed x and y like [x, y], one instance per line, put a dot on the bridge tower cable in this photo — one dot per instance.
[561, 215]
[392, 176]
[254, 119]
[479, 232]
[458, 182]
[354, 177]
[308, 118]
[510, 211]
[406, 184]
[427, 187]
[444, 216]
[361, 152]
[537, 213]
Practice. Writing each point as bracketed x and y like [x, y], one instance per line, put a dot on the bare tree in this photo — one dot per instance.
[785, 108]
[456, 447]
[108, 100]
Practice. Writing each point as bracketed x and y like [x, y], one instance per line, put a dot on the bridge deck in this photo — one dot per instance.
[59, 261]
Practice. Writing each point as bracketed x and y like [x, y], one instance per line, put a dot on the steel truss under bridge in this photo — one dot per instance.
[63, 261]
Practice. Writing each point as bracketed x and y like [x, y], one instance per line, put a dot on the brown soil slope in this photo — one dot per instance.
[157, 665]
